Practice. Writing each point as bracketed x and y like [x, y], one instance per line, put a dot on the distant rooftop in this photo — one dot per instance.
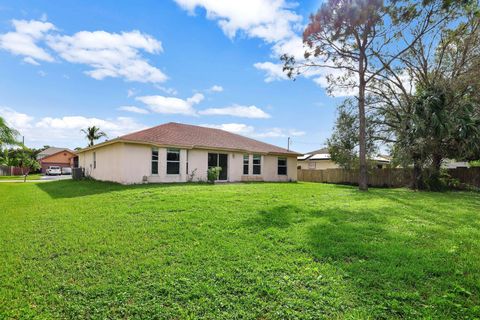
[52, 150]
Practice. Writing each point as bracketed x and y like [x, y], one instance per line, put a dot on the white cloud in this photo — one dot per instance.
[131, 92]
[42, 73]
[16, 119]
[279, 133]
[111, 54]
[169, 91]
[216, 88]
[238, 128]
[24, 40]
[64, 131]
[116, 55]
[273, 71]
[270, 20]
[250, 131]
[237, 111]
[30, 60]
[133, 109]
[172, 105]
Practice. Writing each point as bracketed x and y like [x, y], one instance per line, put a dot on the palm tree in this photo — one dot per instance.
[8, 135]
[92, 134]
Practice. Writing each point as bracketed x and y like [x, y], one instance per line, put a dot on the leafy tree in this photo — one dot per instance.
[360, 39]
[436, 114]
[8, 136]
[23, 159]
[343, 144]
[92, 134]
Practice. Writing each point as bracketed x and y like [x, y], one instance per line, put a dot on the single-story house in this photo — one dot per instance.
[321, 160]
[175, 152]
[62, 157]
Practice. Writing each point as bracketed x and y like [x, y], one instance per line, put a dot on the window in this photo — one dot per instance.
[282, 166]
[173, 161]
[257, 164]
[245, 163]
[154, 160]
[94, 160]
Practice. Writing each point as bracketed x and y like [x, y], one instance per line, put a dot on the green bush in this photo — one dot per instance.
[213, 173]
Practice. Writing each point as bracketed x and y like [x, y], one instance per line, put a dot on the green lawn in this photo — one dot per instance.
[34, 176]
[255, 251]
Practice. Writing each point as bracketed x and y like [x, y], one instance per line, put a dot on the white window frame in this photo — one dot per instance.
[152, 161]
[259, 157]
[173, 150]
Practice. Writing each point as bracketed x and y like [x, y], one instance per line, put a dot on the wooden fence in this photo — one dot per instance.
[376, 177]
[382, 177]
[10, 171]
[470, 176]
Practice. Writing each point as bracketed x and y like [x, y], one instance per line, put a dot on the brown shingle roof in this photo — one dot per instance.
[51, 151]
[190, 136]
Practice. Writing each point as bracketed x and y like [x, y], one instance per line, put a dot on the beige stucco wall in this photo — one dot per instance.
[110, 163]
[130, 163]
[318, 164]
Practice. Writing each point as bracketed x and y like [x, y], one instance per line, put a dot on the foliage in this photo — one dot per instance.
[8, 136]
[474, 163]
[343, 144]
[92, 134]
[86, 249]
[435, 115]
[360, 39]
[213, 173]
[27, 164]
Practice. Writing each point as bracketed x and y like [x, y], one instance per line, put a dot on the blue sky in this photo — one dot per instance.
[128, 65]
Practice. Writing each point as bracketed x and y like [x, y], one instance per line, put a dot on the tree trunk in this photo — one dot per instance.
[417, 183]
[363, 177]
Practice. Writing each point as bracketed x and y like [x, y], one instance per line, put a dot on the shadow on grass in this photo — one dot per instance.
[394, 269]
[277, 217]
[74, 189]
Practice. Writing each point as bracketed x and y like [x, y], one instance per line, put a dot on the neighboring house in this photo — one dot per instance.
[321, 160]
[52, 156]
[453, 164]
[175, 152]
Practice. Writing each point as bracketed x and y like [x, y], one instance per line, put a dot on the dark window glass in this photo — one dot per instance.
[257, 164]
[154, 161]
[173, 161]
[173, 155]
[245, 163]
[94, 160]
[282, 166]
[173, 167]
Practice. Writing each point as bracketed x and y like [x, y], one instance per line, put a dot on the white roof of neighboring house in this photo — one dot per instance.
[323, 154]
[320, 156]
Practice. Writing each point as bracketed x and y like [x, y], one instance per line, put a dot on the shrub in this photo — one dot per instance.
[213, 173]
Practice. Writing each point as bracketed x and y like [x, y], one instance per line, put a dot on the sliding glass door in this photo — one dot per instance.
[219, 160]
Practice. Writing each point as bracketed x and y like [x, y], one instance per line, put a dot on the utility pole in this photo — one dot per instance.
[288, 144]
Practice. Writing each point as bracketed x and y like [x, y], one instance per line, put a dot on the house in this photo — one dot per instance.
[321, 160]
[53, 156]
[175, 152]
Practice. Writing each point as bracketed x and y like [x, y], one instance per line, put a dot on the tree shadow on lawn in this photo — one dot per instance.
[391, 270]
[74, 189]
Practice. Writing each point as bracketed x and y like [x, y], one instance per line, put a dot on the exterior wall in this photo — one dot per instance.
[110, 163]
[129, 163]
[61, 159]
[317, 164]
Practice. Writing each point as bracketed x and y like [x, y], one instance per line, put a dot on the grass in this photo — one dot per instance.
[35, 176]
[255, 251]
